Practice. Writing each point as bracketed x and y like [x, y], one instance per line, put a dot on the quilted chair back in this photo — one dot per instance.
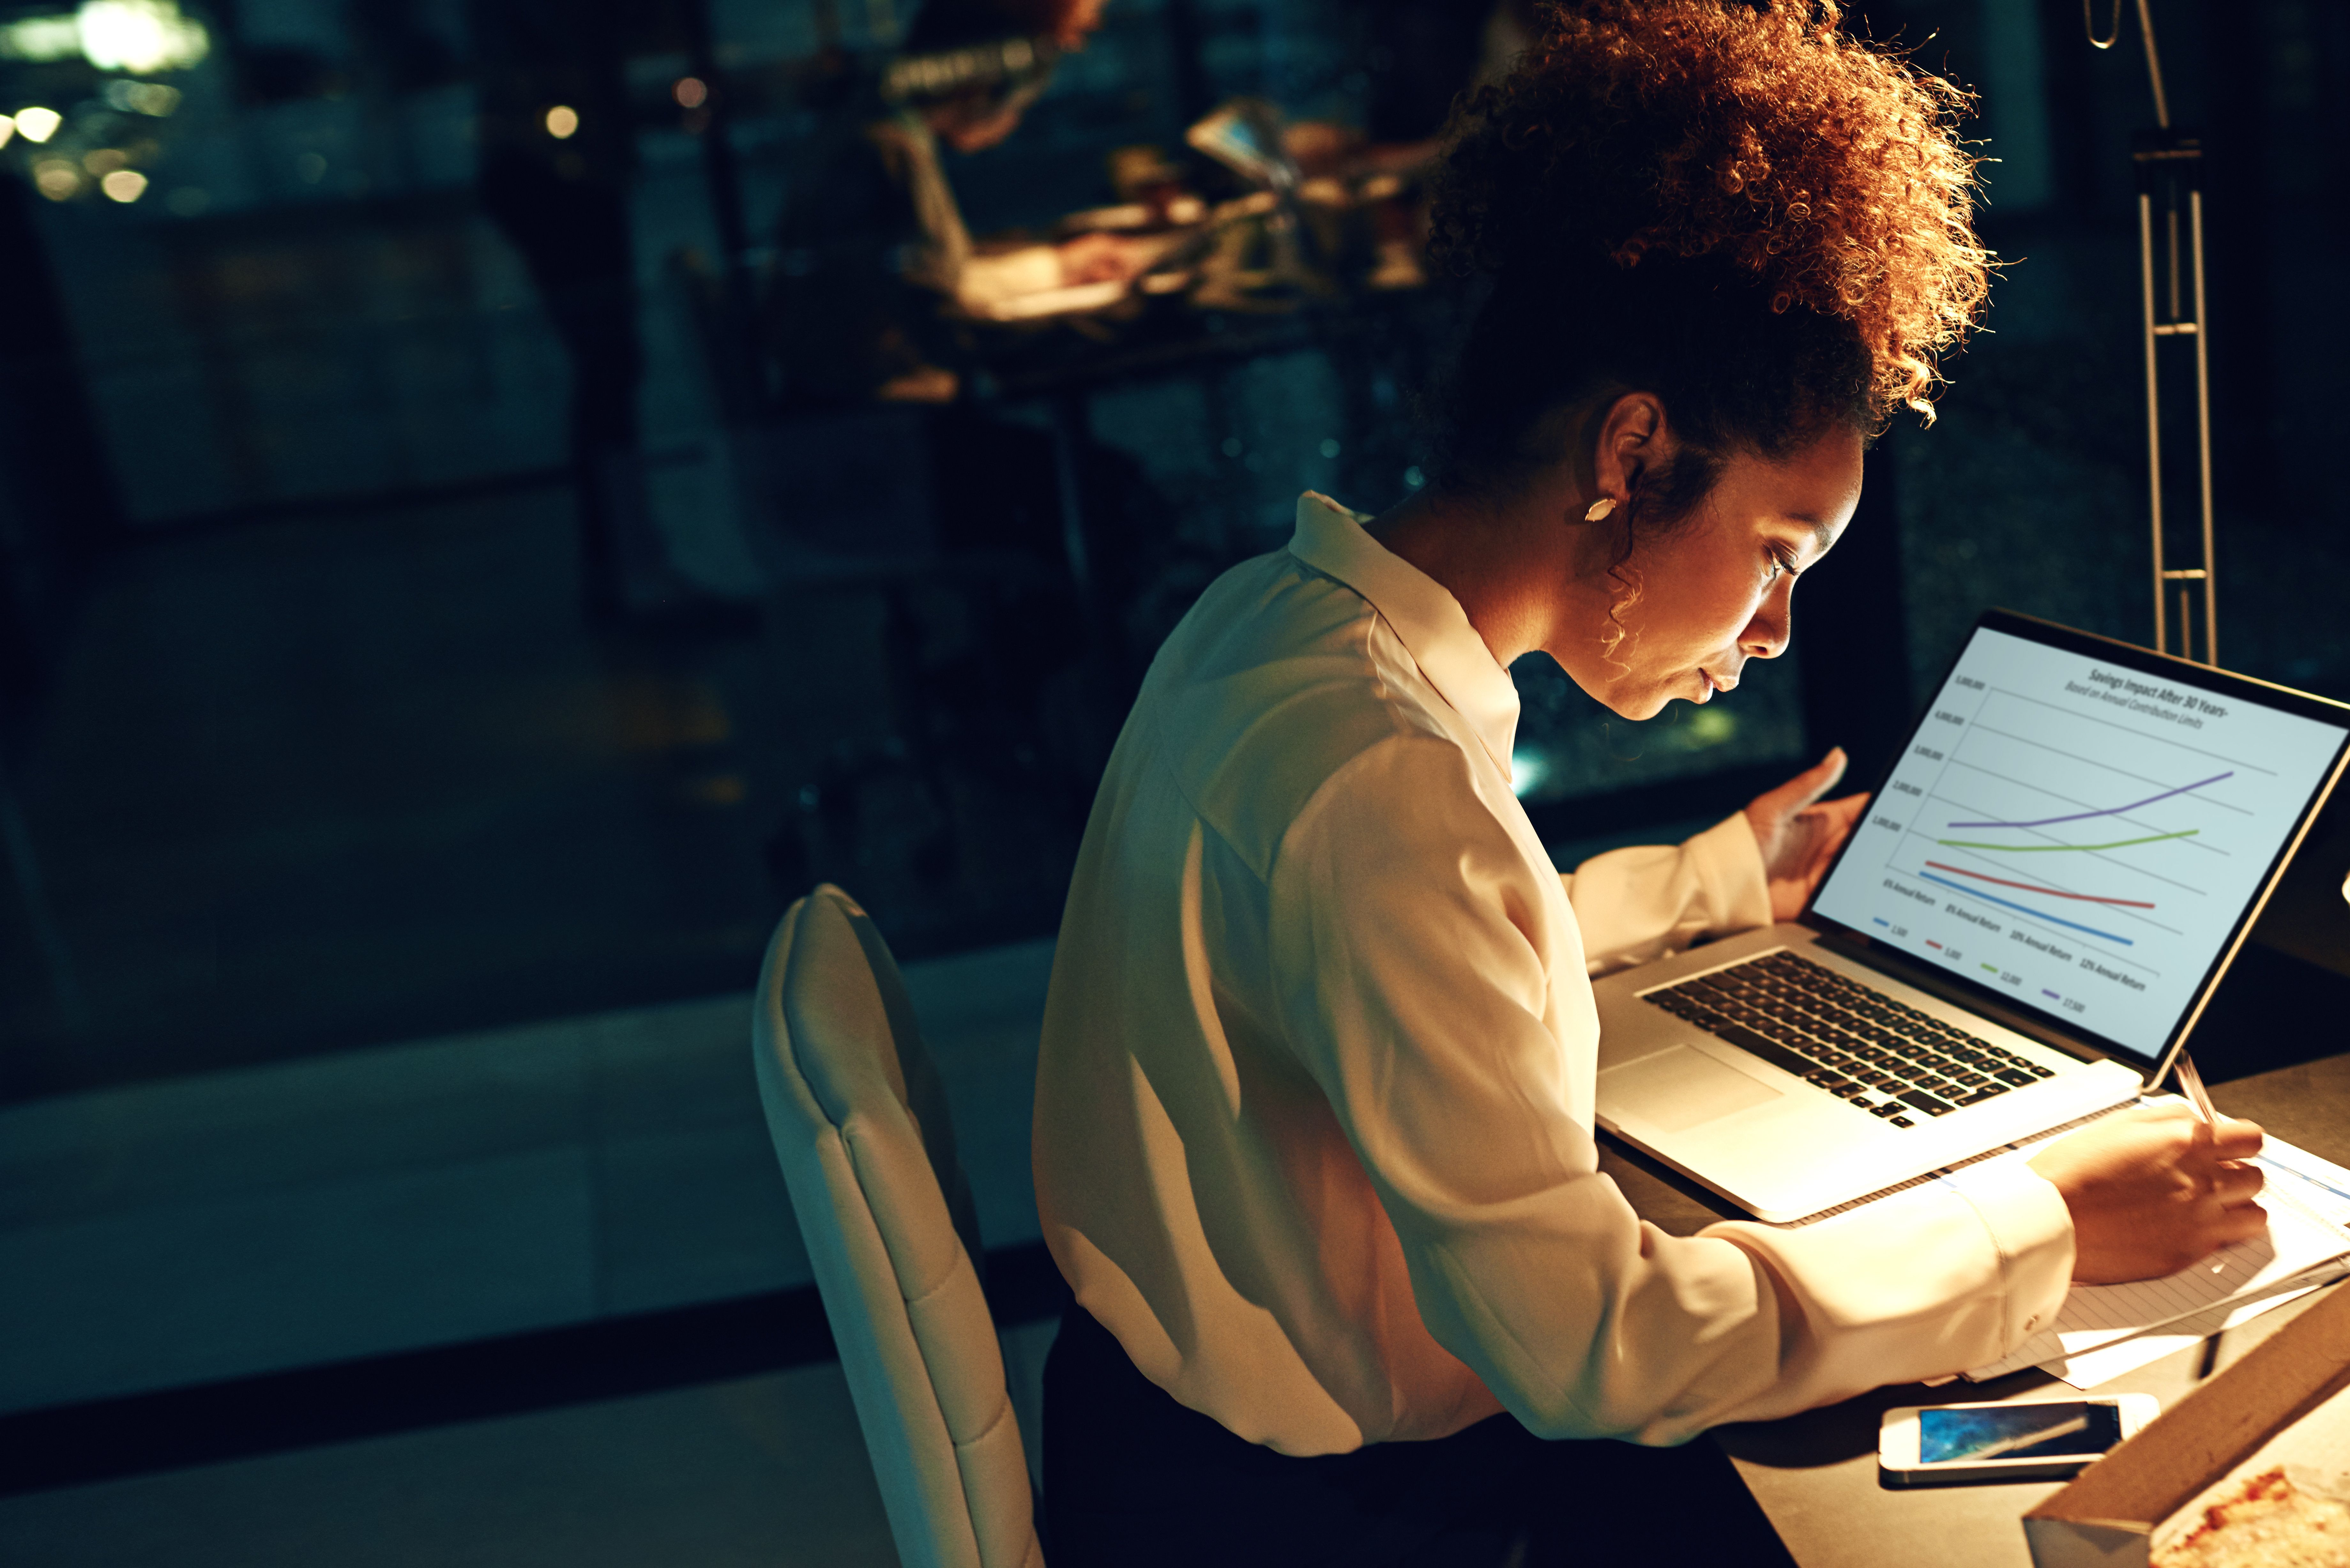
[860, 1125]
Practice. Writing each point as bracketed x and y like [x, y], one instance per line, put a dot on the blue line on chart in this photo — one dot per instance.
[1882, 921]
[2295, 1170]
[2022, 909]
[2109, 811]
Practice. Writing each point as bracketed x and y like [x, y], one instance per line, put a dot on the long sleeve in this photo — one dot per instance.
[1888, 1293]
[1410, 945]
[1643, 903]
[1316, 1091]
[991, 279]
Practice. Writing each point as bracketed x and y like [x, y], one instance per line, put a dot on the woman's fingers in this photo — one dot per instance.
[1844, 809]
[2234, 1184]
[1806, 787]
[2152, 1188]
[2233, 1139]
[1831, 823]
[1797, 836]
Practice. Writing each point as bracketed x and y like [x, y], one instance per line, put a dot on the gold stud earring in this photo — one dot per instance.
[1600, 509]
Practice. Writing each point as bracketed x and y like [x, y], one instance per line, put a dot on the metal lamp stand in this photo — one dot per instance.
[2170, 172]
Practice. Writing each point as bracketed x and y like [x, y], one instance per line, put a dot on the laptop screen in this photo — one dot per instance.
[2080, 829]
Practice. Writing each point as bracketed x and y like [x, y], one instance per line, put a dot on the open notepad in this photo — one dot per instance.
[2308, 1239]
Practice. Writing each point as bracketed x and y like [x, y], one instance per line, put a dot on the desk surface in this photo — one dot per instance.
[1815, 1474]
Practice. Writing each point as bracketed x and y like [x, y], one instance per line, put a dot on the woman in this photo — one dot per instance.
[1313, 1138]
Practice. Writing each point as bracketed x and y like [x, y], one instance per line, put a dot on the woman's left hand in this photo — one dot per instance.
[1799, 834]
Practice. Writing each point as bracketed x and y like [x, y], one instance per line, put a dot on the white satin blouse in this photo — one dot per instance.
[1313, 1111]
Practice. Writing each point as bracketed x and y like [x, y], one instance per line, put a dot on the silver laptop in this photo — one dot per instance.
[2048, 884]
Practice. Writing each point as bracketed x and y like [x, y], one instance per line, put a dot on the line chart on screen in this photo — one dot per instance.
[2108, 838]
[2082, 846]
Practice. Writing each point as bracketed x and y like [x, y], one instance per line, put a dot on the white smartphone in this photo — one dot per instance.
[1941, 1445]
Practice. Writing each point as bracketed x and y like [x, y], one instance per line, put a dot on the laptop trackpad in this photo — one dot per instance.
[1676, 1090]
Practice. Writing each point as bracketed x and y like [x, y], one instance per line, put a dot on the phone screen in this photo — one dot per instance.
[1971, 1434]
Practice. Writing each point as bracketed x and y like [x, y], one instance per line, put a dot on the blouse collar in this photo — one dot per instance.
[1424, 614]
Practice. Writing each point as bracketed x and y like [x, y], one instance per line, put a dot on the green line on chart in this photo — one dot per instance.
[2032, 848]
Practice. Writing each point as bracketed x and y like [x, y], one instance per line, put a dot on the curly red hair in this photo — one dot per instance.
[1823, 171]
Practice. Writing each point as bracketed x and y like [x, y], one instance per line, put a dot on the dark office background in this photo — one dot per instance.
[435, 646]
[309, 741]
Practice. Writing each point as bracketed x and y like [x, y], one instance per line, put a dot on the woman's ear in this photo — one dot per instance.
[1633, 437]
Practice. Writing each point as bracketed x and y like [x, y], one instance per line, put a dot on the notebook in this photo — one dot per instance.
[2308, 1239]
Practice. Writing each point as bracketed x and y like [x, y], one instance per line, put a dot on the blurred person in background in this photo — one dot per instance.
[1419, 56]
[873, 265]
[872, 247]
[558, 157]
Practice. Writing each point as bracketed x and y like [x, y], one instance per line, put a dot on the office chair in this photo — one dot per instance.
[860, 1126]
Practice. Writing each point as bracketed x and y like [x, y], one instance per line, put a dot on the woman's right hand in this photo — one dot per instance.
[2153, 1190]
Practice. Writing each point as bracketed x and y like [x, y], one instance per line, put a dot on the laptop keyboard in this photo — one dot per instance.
[1862, 1046]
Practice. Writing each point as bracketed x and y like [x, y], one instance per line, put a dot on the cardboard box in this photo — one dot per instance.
[2107, 1518]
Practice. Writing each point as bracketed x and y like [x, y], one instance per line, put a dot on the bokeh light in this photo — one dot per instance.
[40, 38]
[562, 120]
[152, 99]
[38, 124]
[140, 36]
[691, 92]
[124, 186]
[56, 179]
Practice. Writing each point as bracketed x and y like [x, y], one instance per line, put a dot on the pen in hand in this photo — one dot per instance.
[2192, 1082]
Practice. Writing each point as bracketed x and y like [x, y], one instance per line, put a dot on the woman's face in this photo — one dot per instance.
[1683, 615]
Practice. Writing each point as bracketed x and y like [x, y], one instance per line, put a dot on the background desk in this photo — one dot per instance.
[1815, 1474]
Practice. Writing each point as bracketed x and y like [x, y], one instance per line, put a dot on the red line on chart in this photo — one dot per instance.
[2109, 811]
[2034, 888]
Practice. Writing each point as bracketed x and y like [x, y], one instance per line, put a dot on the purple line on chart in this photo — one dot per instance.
[2109, 811]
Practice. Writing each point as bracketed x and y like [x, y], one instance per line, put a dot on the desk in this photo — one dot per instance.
[1815, 1474]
